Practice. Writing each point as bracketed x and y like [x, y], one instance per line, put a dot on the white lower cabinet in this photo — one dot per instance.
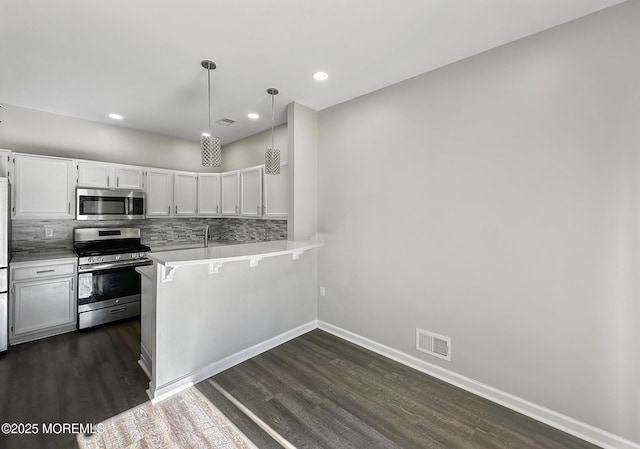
[43, 299]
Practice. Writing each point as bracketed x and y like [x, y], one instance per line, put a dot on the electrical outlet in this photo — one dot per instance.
[48, 232]
[322, 290]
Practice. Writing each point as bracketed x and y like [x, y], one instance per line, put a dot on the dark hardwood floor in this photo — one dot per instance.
[80, 377]
[319, 391]
[316, 391]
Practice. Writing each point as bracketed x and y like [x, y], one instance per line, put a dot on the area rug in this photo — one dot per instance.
[186, 420]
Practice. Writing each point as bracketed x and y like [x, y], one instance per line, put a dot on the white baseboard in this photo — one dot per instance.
[562, 422]
[169, 389]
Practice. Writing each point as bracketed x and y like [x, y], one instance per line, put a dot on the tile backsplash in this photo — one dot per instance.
[29, 236]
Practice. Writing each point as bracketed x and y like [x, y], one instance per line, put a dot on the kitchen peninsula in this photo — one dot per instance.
[207, 309]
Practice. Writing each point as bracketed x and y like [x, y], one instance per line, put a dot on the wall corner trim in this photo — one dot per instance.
[589, 433]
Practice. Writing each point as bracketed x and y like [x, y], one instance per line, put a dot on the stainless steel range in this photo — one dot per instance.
[108, 285]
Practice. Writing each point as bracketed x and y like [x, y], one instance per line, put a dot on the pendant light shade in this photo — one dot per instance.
[211, 148]
[211, 151]
[272, 155]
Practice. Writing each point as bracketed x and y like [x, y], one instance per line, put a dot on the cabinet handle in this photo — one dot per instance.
[258, 210]
[176, 208]
[117, 181]
[107, 180]
[117, 310]
[45, 271]
[69, 208]
[217, 208]
[236, 208]
[169, 209]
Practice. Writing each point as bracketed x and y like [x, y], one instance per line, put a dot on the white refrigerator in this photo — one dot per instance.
[4, 262]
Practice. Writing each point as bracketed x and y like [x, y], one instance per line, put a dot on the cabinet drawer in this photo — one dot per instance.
[42, 271]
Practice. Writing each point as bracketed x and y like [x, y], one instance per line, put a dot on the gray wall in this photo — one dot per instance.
[249, 151]
[303, 172]
[37, 132]
[497, 201]
[230, 311]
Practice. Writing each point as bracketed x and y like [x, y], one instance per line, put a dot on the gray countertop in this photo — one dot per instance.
[191, 245]
[57, 256]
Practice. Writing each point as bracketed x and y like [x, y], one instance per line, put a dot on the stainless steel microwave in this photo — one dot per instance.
[102, 204]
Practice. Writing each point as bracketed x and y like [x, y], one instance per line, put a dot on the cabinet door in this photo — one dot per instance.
[5, 163]
[39, 305]
[95, 175]
[185, 194]
[129, 178]
[276, 193]
[208, 194]
[159, 193]
[230, 193]
[43, 187]
[251, 192]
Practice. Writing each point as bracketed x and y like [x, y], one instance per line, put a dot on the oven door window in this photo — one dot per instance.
[101, 205]
[101, 285]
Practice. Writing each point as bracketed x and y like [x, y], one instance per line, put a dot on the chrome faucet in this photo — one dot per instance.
[206, 236]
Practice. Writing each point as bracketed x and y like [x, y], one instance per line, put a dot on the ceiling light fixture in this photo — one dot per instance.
[211, 149]
[272, 155]
[115, 116]
[253, 116]
[320, 76]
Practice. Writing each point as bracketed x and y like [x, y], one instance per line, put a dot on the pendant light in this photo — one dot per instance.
[272, 155]
[211, 150]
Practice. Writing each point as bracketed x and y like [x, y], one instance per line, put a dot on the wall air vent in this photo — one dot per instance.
[433, 344]
[225, 122]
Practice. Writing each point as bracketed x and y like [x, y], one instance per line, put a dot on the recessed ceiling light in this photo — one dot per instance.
[116, 116]
[206, 135]
[320, 76]
[253, 116]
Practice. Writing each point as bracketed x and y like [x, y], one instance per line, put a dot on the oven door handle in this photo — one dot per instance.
[107, 266]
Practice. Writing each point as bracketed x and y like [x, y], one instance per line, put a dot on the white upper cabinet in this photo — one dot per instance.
[43, 187]
[231, 193]
[129, 177]
[251, 192]
[275, 193]
[109, 176]
[208, 194]
[5, 163]
[159, 192]
[95, 175]
[185, 194]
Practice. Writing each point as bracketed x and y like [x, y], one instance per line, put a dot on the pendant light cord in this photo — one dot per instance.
[272, 115]
[209, 92]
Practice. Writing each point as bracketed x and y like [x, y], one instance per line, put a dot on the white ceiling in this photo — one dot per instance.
[141, 58]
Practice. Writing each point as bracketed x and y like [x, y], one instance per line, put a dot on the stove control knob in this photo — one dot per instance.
[118, 257]
[99, 259]
[134, 255]
[141, 255]
[90, 260]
